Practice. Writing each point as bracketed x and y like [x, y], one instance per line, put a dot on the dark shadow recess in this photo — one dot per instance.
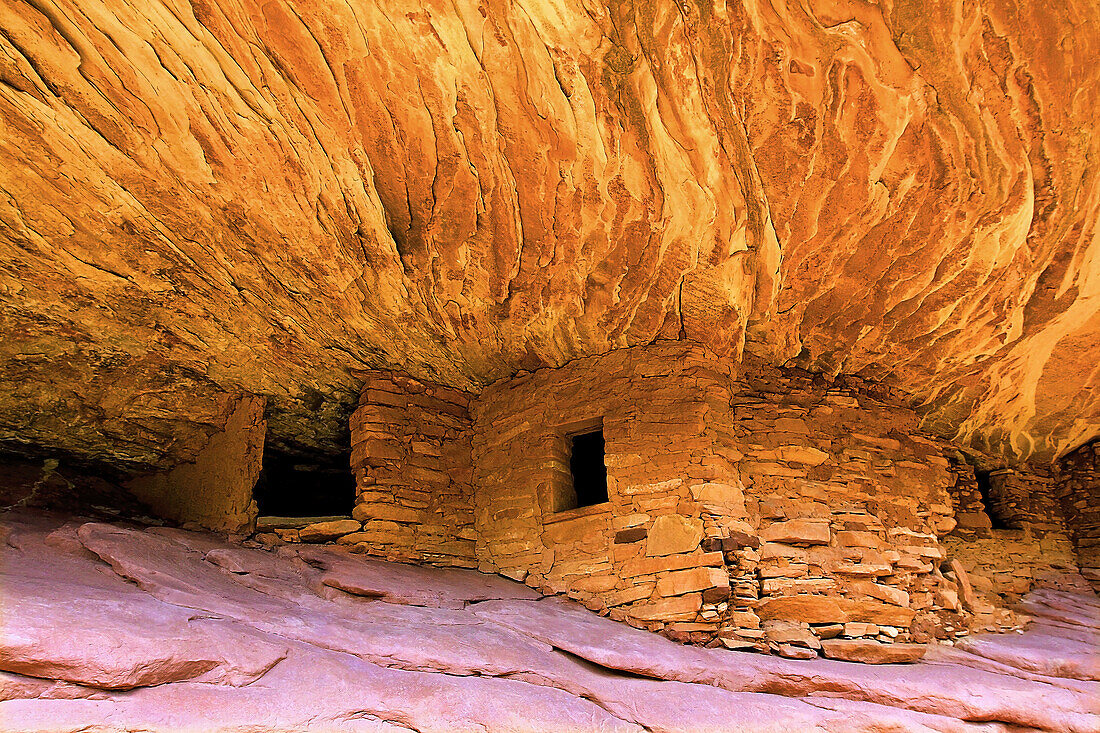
[297, 486]
[586, 464]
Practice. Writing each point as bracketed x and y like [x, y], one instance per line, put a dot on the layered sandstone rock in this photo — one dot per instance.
[405, 648]
[207, 199]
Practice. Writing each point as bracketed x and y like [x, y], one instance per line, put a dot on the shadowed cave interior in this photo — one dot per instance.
[299, 486]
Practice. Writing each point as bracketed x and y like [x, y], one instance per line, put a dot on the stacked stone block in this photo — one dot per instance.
[972, 520]
[641, 557]
[998, 562]
[849, 501]
[1027, 500]
[771, 509]
[1079, 492]
[411, 457]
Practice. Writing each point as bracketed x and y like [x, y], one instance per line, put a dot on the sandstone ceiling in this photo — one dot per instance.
[201, 199]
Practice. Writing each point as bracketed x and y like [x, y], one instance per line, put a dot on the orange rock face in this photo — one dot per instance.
[206, 199]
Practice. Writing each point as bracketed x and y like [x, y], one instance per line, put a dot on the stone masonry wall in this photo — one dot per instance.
[773, 511]
[640, 555]
[769, 508]
[848, 500]
[1079, 491]
[972, 519]
[214, 491]
[411, 457]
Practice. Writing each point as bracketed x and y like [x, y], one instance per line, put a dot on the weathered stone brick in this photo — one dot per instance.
[694, 579]
[673, 534]
[325, 531]
[805, 531]
[676, 608]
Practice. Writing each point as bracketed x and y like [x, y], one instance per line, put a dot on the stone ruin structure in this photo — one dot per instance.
[764, 325]
[742, 505]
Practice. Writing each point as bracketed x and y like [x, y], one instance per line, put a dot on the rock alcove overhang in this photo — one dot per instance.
[218, 199]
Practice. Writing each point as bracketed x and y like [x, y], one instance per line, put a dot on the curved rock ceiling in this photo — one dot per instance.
[199, 199]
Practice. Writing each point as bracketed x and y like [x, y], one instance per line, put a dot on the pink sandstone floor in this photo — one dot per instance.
[107, 628]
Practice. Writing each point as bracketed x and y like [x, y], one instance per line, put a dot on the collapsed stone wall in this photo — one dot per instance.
[1079, 492]
[1006, 540]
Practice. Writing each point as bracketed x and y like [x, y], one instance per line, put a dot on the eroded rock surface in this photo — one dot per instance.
[481, 654]
[209, 198]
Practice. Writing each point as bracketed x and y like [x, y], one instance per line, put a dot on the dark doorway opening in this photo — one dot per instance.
[985, 487]
[297, 486]
[586, 464]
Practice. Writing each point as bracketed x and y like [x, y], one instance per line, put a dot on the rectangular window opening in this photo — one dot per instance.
[587, 468]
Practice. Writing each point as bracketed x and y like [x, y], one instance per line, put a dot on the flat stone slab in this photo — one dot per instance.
[326, 531]
[320, 691]
[871, 652]
[273, 522]
[1043, 650]
[21, 687]
[957, 691]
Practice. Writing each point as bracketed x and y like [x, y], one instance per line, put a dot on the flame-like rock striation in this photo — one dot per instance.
[201, 199]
